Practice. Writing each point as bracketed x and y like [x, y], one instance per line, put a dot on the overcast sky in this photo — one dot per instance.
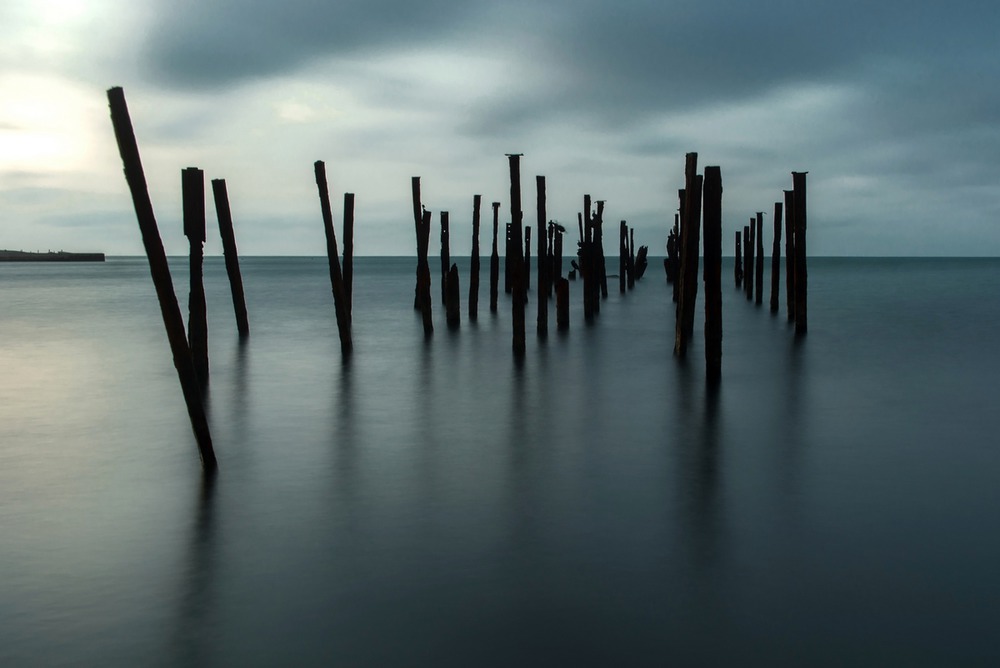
[892, 107]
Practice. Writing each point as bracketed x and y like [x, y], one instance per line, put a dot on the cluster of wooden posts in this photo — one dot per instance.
[749, 266]
[700, 202]
[590, 263]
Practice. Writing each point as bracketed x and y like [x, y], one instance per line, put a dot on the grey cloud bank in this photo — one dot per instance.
[890, 106]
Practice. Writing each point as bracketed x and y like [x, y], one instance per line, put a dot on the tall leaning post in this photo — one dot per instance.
[776, 260]
[713, 274]
[193, 197]
[225, 215]
[801, 276]
[518, 289]
[173, 321]
[417, 223]
[336, 275]
[544, 263]
[477, 201]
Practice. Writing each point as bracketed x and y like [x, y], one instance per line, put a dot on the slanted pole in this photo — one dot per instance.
[232, 255]
[173, 321]
[417, 222]
[336, 275]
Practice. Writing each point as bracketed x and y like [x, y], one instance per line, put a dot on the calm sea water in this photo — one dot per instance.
[835, 503]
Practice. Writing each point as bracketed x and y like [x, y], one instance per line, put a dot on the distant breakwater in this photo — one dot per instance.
[58, 256]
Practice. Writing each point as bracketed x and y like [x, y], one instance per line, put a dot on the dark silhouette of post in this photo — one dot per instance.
[738, 261]
[417, 222]
[679, 225]
[193, 196]
[474, 262]
[445, 256]
[562, 304]
[558, 245]
[173, 321]
[690, 237]
[495, 261]
[790, 254]
[453, 307]
[748, 247]
[527, 259]
[623, 255]
[519, 293]
[635, 270]
[508, 257]
[424, 273]
[759, 268]
[801, 277]
[776, 259]
[544, 264]
[713, 274]
[336, 275]
[231, 254]
[349, 254]
[602, 266]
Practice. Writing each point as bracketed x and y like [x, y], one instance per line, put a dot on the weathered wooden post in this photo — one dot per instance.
[801, 276]
[173, 321]
[495, 261]
[453, 309]
[738, 261]
[474, 262]
[349, 254]
[508, 257]
[336, 275]
[602, 266]
[232, 255]
[558, 245]
[679, 225]
[417, 222]
[713, 274]
[748, 248]
[759, 295]
[527, 259]
[776, 259]
[690, 237]
[562, 304]
[790, 254]
[424, 273]
[633, 271]
[622, 256]
[519, 293]
[544, 263]
[193, 196]
[445, 256]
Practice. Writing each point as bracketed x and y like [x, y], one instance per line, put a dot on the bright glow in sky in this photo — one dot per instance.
[897, 121]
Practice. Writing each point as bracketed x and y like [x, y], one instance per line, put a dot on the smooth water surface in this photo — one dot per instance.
[436, 503]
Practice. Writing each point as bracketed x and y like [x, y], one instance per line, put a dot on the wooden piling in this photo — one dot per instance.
[679, 225]
[801, 276]
[336, 275]
[232, 256]
[713, 274]
[445, 256]
[544, 261]
[601, 266]
[747, 263]
[193, 196]
[453, 309]
[690, 237]
[527, 259]
[474, 262]
[790, 254]
[622, 256]
[750, 273]
[759, 295]
[417, 222]
[558, 246]
[776, 259]
[173, 321]
[495, 261]
[424, 273]
[738, 261]
[349, 254]
[634, 271]
[518, 291]
[508, 257]
[562, 304]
